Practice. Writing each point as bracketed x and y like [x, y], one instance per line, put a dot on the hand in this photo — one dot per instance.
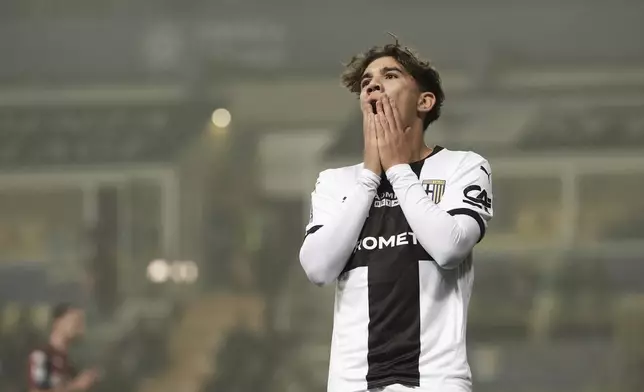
[371, 155]
[395, 142]
[85, 380]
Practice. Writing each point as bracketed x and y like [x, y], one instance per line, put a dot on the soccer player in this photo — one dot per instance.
[49, 368]
[396, 234]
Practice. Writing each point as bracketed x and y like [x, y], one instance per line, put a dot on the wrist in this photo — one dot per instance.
[397, 170]
[393, 164]
[375, 172]
[369, 179]
[376, 169]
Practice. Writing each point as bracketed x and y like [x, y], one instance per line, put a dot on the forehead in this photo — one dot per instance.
[383, 62]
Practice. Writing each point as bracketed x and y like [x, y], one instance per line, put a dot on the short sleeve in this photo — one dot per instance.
[38, 374]
[324, 203]
[469, 191]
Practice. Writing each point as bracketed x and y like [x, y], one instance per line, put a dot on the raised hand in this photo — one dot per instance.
[395, 142]
[371, 154]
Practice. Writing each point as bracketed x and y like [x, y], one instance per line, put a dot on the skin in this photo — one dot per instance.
[394, 134]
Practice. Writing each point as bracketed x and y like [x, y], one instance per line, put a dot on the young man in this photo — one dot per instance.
[49, 369]
[396, 232]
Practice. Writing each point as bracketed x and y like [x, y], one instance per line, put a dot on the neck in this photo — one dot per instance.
[58, 342]
[420, 150]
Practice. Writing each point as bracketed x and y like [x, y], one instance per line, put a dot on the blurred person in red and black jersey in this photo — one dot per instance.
[49, 367]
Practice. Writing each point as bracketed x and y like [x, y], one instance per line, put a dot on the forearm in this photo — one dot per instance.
[327, 248]
[447, 238]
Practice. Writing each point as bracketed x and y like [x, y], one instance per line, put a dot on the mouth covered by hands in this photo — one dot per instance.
[394, 141]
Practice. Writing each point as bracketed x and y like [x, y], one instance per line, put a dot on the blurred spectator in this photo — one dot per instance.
[49, 367]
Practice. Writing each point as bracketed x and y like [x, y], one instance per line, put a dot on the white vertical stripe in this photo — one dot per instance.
[443, 361]
[350, 343]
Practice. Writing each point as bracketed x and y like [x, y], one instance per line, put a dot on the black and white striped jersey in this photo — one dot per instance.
[399, 248]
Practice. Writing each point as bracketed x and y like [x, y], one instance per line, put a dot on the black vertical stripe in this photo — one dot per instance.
[394, 299]
[394, 291]
[394, 325]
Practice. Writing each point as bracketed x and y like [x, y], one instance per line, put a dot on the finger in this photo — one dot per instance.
[366, 110]
[395, 114]
[368, 126]
[380, 110]
[371, 126]
[388, 113]
[381, 133]
[365, 122]
[365, 107]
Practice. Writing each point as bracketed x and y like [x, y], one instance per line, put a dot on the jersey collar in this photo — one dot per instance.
[418, 165]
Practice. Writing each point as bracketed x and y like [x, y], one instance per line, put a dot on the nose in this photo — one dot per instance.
[374, 85]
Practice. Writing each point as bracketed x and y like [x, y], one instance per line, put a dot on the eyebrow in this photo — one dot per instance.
[389, 69]
[383, 71]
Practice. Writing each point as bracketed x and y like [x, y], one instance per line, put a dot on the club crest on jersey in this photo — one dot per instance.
[434, 189]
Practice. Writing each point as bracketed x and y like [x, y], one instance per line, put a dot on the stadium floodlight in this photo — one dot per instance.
[221, 118]
[158, 271]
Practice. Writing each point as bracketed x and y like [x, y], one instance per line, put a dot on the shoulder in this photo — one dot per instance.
[459, 161]
[462, 157]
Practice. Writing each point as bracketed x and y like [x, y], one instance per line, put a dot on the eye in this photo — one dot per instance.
[364, 83]
[391, 75]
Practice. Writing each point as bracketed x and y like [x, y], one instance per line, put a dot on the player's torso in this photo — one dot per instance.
[391, 298]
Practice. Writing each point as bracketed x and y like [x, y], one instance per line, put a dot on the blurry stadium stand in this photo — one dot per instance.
[125, 348]
[90, 195]
[201, 332]
[88, 135]
[555, 367]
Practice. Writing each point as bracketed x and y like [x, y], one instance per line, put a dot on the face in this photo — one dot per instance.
[72, 324]
[386, 76]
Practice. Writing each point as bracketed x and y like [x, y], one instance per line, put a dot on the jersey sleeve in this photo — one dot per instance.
[338, 212]
[324, 203]
[449, 230]
[469, 191]
[38, 371]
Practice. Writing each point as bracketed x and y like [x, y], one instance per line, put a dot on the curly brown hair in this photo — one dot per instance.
[423, 72]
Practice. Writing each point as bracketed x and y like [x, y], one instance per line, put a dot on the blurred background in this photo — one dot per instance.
[157, 158]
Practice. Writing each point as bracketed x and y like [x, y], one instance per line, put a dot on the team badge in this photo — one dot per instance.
[434, 189]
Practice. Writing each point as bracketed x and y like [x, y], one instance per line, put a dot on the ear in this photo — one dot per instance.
[426, 102]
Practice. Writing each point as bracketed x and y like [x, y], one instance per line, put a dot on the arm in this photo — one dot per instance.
[449, 230]
[335, 226]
